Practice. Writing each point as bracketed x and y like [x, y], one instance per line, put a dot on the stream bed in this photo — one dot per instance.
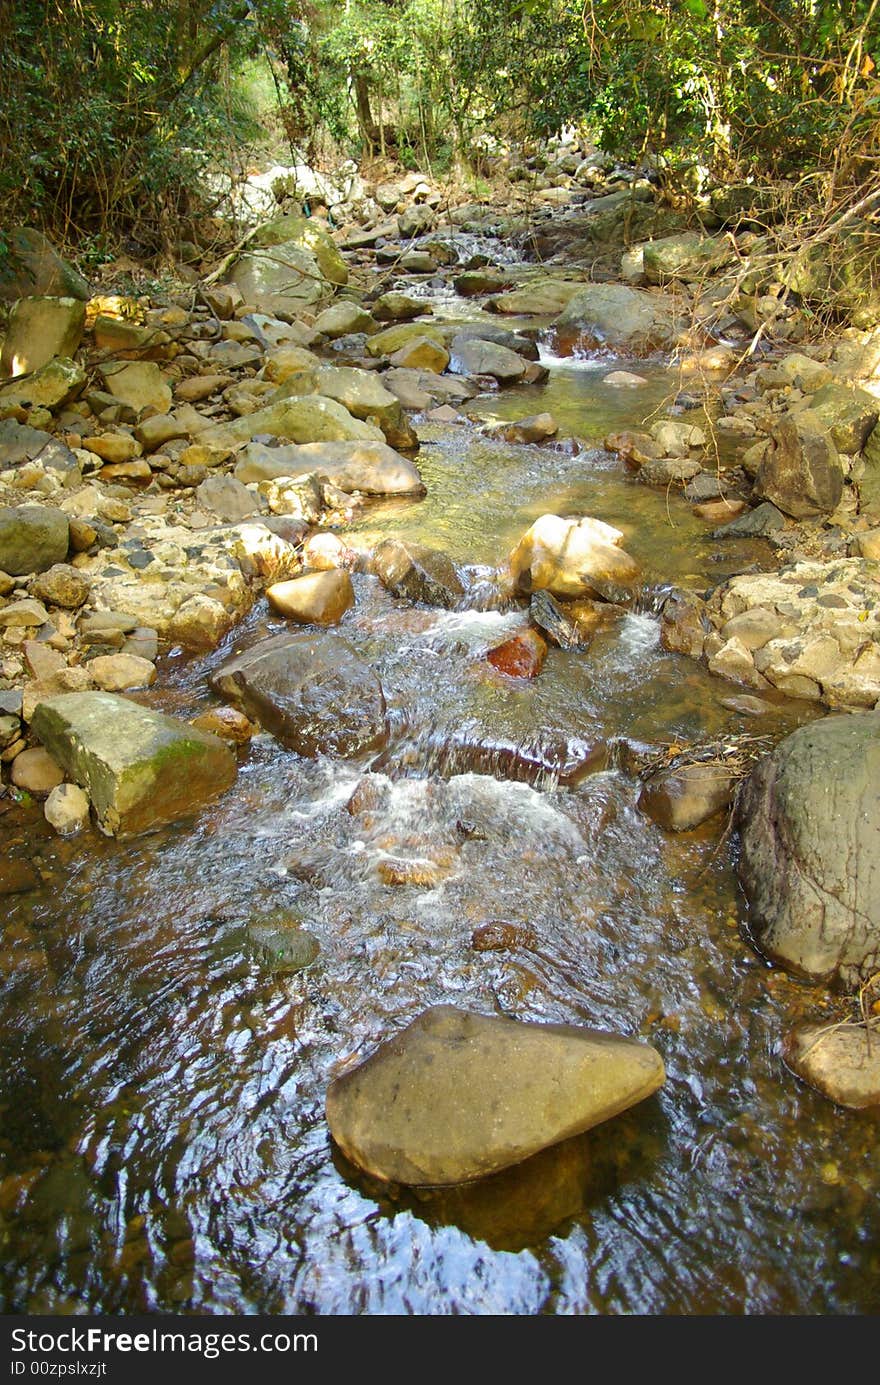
[163, 1141]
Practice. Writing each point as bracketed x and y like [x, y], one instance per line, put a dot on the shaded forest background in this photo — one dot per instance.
[111, 111]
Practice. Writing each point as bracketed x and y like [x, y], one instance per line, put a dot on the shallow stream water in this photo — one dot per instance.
[163, 1142]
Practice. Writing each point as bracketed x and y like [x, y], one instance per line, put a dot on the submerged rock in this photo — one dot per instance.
[369, 466]
[840, 1061]
[456, 1096]
[140, 768]
[679, 799]
[309, 690]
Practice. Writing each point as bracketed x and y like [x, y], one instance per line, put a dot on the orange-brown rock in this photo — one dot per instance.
[522, 656]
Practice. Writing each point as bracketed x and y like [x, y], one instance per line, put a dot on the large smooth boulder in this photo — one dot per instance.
[51, 387]
[32, 538]
[623, 318]
[571, 557]
[542, 298]
[809, 819]
[456, 1096]
[417, 572]
[282, 278]
[139, 384]
[308, 234]
[849, 413]
[801, 472]
[139, 768]
[311, 418]
[361, 392]
[342, 318]
[35, 267]
[310, 690]
[687, 256]
[371, 467]
[38, 329]
[472, 356]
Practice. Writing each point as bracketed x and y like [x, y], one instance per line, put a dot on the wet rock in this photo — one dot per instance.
[417, 871]
[456, 1096]
[227, 498]
[669, 471]
[570, 557]
[542, 298]
[319, 598]
[571, 626]
[309, 690]
[118, 672]
[51, 387]
[676, 439]
[502, 937]
[622, 318]
[535, 428]
[840, 1061]
[200, 622]
[38, 330]
[472, 356]
[17, 877]
[474, 282]
[679, 799]
[226, 722]
[808, 819]
[35, 267]
[67, 809]
[756, 524]
[501, 336]
[623, 379]
[418, 573]
[282, 946]
[522, 656]
[684, 623]
[801, 472]
[542, 760]
[61, 585]
[309, 419]
[746, 706]
[35, 771]
[139, 768]
[720, 511]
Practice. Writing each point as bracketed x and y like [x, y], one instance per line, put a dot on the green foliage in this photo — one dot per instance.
[109, 108]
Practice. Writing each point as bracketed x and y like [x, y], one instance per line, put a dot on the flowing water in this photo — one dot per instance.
[163, 1140]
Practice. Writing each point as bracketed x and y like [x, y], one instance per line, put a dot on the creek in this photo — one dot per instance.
[163, 1139]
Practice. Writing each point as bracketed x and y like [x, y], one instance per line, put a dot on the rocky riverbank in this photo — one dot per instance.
[168, 460]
